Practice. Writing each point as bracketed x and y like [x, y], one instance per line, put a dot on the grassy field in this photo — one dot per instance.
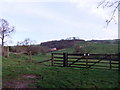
[56, 77]
[98, 48]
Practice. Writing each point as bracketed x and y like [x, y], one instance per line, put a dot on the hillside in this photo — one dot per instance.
[114, 41]
[97, 48]
[60, 44]
[19, 65]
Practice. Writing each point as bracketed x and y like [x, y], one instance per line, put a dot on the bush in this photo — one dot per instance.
[17, 49]
[84, 49]
[36, 50]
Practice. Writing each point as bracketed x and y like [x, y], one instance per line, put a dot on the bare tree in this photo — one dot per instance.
[26, 42]
[110, 4]
[5, 30]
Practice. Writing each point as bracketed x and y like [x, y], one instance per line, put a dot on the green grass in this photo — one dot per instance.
[82, 78]
[98, 48]
[60, 77]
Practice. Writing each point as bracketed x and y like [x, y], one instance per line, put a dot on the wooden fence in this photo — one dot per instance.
[106, 61]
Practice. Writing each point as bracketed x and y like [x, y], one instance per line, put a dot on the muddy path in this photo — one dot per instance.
[23, 81]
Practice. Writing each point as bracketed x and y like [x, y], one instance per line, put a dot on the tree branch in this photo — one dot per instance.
[112, 16]
[109, 4]
[101, 3]
[5, 30]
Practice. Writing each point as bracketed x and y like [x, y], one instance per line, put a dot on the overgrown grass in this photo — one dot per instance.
[99, 48]
[96, 48]
[60, 77]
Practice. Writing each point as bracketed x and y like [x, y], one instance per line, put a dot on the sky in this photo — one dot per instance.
[46, 20]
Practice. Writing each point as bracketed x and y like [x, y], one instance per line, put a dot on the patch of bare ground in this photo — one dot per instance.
[23, 81]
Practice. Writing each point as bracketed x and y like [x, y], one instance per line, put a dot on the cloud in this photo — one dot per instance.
[34, 12]
[91, 7]
[48, 14]
[83, 3]
[88, 5]
[77, 18]
[26, 1]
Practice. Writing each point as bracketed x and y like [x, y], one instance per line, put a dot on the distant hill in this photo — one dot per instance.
[115, 41]
[60, 44]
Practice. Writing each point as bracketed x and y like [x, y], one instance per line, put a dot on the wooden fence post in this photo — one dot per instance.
[110, 62]
[86, 55]
[30, 56]
[65, 59]
[52, 59]
[119, 61]
[7, 51]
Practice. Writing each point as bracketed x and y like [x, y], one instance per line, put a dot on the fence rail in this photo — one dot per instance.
[110, 61]
[43, 61]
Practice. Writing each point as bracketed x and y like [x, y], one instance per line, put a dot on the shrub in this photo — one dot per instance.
[84, 49]
[36, 50]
